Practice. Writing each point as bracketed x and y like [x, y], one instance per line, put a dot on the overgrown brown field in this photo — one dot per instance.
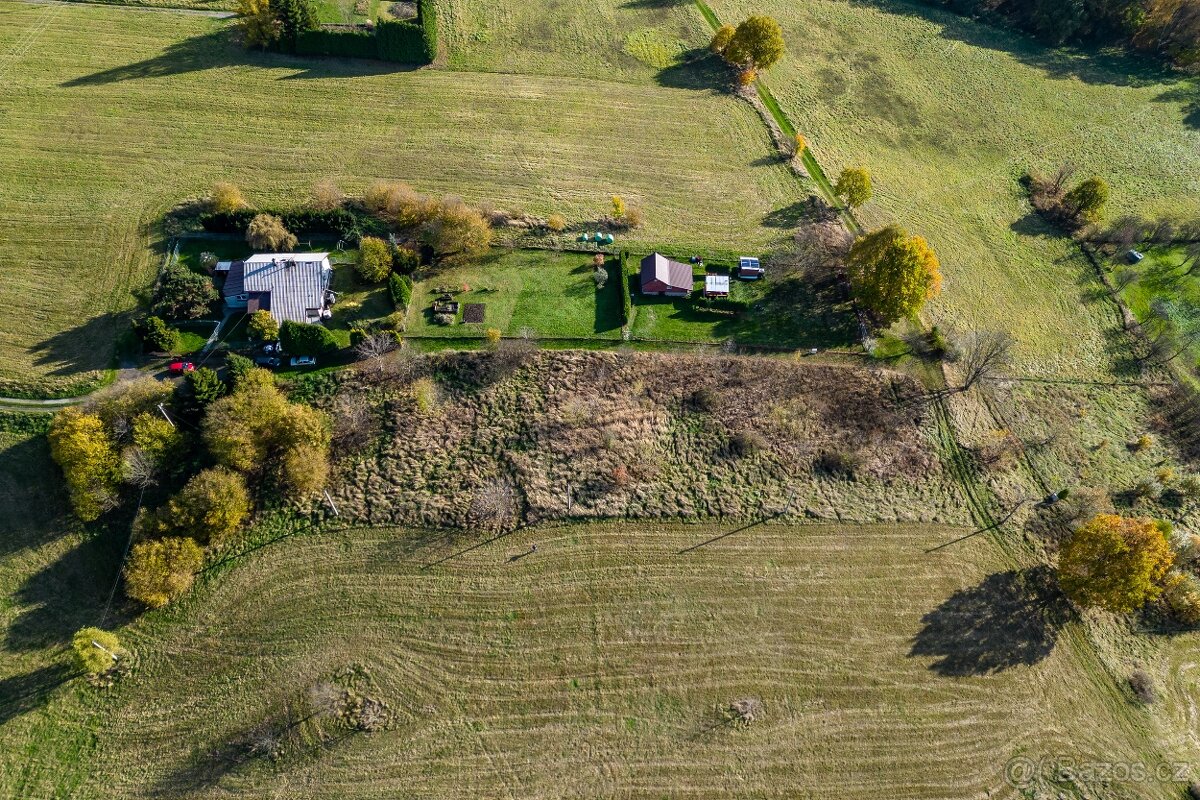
[643, 436]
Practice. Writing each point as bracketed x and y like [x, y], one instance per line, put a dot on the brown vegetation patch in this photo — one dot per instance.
[644, 435]
[473, 312]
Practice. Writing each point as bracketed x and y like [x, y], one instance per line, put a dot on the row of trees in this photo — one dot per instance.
[1169, 28]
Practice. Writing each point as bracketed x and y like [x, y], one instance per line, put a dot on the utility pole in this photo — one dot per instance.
[163, 411]
[332, 507]
[568, 498]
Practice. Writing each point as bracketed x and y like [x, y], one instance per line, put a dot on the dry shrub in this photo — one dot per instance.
[494, 506]
[1143, 687]
[745, 711]
[999, 450]
[355, 424]
[326, 196]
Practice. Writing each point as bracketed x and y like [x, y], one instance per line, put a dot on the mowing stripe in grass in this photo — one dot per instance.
[811, 165]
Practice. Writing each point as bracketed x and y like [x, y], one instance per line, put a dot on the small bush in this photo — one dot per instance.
[156, 335]
[704, 399]
[600, 276]
[262, 326]
[493, 336]
[374, 259]
[1143, 442]
[405, 260]
[1182, 593]
[326, 196]
[1147, 490]
[226, 197]
[721, 38]
[443, 319]
[838, 463]
[634, 218]
[556, 223]
[745, 443]
[96, 651]
[238, 367]
[301, 339]
[1189, 487]
[1143, 686]
[400, 288]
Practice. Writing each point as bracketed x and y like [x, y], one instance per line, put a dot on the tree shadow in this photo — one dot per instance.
[1011, 619]
[32, 499]
[698, 68]
[223, 49]
[1035, 226]
[23, 693]
[787, 216]
[1187, 94]
[83, 348]
[67, 594]
[1113, 66]
[793, 313]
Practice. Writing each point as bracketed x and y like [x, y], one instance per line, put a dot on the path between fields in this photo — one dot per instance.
[195, 12]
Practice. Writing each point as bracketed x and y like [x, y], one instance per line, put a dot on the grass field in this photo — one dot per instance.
[551, 293]
[596, 667]
[603, 39]
[948, 114]
[103, 133]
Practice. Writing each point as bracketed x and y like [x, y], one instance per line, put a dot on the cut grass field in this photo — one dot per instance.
[948, 114]
[596, 667]
[102, 134]
[550, 293]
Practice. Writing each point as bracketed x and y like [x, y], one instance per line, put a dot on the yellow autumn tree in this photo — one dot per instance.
[81, 445]
[258, 23]
[1116, 563]
[161, 570]
[892, 273]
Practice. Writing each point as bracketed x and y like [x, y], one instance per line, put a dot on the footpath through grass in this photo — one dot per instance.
[596, 665]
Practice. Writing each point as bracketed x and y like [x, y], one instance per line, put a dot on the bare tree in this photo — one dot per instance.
[140, 469]
[375, 347]
[493, 507]
[512, 354]
[981, 355]
[354, 423]
[822, 246]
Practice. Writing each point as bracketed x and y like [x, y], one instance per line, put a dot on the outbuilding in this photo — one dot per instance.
[716, 286]
[662, 276]
[749, 268]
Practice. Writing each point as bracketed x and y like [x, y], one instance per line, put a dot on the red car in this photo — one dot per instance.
[180, 367]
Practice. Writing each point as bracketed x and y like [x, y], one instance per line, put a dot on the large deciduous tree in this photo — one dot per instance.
[81, 445]
[757, 43]
[854, 186]
[161, 570]
[892, 273]
[1116, 563]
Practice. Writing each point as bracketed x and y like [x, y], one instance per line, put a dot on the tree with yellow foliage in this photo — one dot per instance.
[893, 274]
[1116, 563]
[258, 23]
[161, 570]
[81, 445]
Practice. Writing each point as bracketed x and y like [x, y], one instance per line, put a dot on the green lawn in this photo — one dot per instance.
[113, 116]
[948, 114]
[786, 312]
[549, 292]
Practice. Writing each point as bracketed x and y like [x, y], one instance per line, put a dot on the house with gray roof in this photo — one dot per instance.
[291, 286]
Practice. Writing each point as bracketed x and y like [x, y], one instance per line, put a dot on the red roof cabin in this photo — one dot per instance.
[662, 276]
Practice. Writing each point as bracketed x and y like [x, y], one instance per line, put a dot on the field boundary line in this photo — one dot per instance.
[195, 12]
[771, 106]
